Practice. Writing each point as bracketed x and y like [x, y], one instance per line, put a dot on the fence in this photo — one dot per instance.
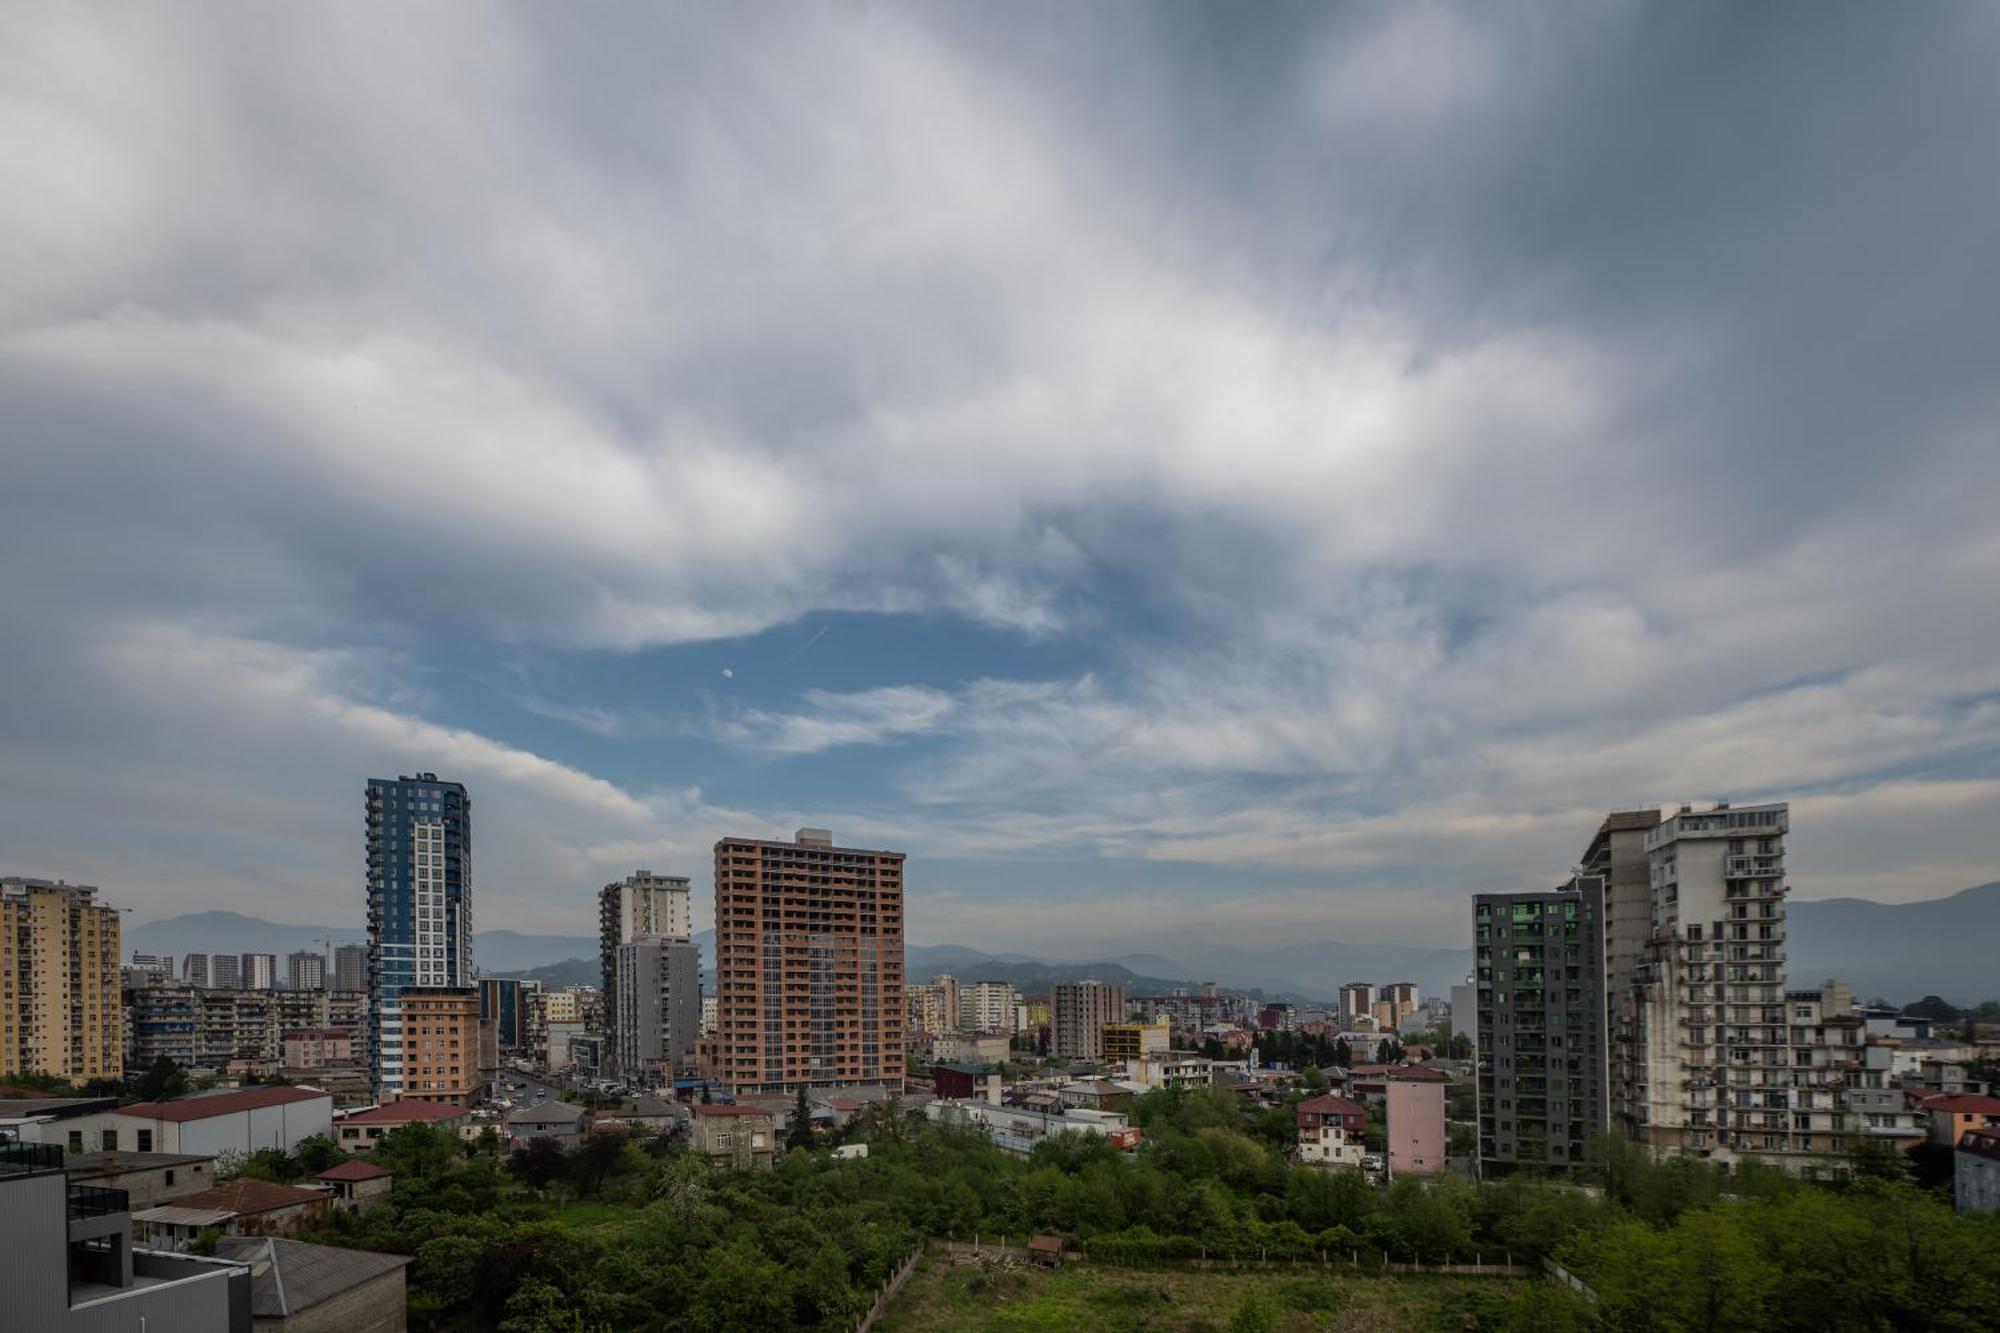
[888, 1291]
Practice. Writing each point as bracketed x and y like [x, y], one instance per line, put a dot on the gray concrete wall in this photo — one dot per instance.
[34, 1246]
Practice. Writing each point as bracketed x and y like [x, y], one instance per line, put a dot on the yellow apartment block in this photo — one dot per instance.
[60, 1008]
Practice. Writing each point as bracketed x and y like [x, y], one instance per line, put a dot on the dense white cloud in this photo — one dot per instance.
[1492, 420]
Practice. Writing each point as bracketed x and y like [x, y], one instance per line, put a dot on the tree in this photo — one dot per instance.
[1343, 1054]
[163, 1079]
[799, 1134]
[316, 1153]
[1314, 1079]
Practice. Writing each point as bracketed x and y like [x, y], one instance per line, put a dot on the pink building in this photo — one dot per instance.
[1416, 1130]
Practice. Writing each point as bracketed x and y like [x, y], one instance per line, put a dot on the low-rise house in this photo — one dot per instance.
[244, 1120]
[301, 1288]
[355, 1185]
[32, 1117]
[146, 1177]
[739, 1136]
[1095, 1094]
[1976, 1171]
[239, 1207]
[1019, 1128]
[1330, 1131]
[551, 1120]
[358, 1131]
[1953, 1113]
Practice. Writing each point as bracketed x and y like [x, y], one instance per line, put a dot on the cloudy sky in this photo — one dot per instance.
[1163, 466]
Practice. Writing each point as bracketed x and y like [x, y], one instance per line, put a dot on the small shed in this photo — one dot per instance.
[1047, 1251]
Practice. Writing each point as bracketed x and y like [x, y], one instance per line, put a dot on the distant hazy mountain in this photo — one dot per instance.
[1943, 946]
[232, 932]
[1901, 951]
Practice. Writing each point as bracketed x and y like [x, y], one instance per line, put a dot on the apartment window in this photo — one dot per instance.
[111, 1140]
[76, 1140]
[146, 1145]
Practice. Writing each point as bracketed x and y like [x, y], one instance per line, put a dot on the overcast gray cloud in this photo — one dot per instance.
[1431, 425]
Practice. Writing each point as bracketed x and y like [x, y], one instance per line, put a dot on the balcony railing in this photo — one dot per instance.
[97, 1201]
[20, 1157]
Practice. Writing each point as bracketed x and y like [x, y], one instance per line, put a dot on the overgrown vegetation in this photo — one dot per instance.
[640, 1234]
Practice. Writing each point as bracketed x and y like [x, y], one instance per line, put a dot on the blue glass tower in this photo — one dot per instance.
[419, 906]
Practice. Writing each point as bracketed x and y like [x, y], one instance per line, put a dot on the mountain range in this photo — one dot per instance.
[1941, 946]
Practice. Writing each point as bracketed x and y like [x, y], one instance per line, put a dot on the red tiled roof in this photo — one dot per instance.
[1418, 1074]
[1962, 1103]
[221, 1103]
[729, 1110]
[248, 1196]
[1331, 1105]
[355, 1169]
[402, 1111]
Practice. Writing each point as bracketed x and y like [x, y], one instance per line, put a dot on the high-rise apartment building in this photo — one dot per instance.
[259, 971]
[60, 1002]
[809, 963]
[350, 967]
[419, 909]
[1357, 998]
[194, 969]
[1543, 1080]
[1703, 1050]
[657, 1007]
[987, 1006]
[1617, 855]
[643, 905]
[440, 1043]
[306, 970]
[1079, 1011]
[923, 1006]
[946, 986]
[225, 971]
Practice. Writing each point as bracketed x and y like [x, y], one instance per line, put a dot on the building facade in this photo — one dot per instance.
[305, 970]
[61, 1010]
[1079, 1012]
[643, 905]
[657, 1007]
[350, 968]
[504, 1003]
[419, 907]
[1543, 1077]
[1702, 1044]
[258, 971]
[1357, 998]
[440, 1044]
[809, 963]
[987, 1006]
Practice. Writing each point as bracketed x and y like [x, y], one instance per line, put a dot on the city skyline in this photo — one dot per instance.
[1278, 478]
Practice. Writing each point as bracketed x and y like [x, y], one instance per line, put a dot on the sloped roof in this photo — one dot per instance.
[243, 1195]
[1981, 1143]
[221, 1103]
[402, 1111]
[1962, 1103]
[548, 1113]
[355, 1169]
[1331, 1105]
[287, 1276]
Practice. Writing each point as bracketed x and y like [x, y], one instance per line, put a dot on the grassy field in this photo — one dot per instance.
[944, 1296]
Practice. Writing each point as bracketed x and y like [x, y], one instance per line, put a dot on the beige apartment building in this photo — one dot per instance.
[60, 1006]
[808, 964]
